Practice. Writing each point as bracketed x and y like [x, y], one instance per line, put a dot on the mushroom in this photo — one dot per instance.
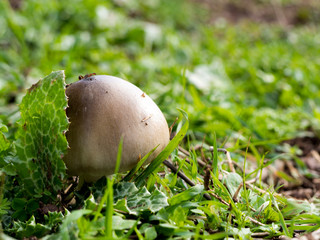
[101, 110]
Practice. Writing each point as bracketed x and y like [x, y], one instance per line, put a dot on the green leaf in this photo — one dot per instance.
[9, 169]
[69, 228]
[139, 200]
[5, 166]
[123, 190]
[294, 208]
[215, 156]
[243, 233]
[186, 195]
[232, 181]
[143, 201]
[32, 205]
[4, 142]
[41, 142]
[4, 206]
[118, 223]
[150, 233]
[52, 219]
[140, 163]
[18, 203]
[166, 229]
[109, 206]
[20, 215]
[122, 206]
[29, 228]
[179, 216]
[282, 222]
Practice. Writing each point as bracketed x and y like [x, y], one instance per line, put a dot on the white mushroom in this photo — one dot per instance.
[102, 109]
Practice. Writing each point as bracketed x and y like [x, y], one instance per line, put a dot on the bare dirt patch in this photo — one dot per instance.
[306, 170]
[292, 13]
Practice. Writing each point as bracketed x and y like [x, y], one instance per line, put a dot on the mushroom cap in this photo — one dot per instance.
[102, 109]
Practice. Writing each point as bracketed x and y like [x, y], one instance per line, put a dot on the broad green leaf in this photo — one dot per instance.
[69, 228]
[179, 216]
[118, 223]
[4, 206]
[90, 203]
[294, 208]
[29, 228]
[41, 142]
[186, 195]
[52, 219]
[18, 203]
[243, 233]
[122, 206]
[138, 200]
[272, 228]
[166, 213]
[166, 229]
[5, 165]
[4, 142]
[143, 201]
[232, 181]
[150, 233]
[20, 215]
[124, 189]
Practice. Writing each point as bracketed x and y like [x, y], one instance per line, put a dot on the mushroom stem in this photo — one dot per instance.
[80, 183]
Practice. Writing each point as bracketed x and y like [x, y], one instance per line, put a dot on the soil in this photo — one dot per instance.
[15, 4]
[309, 182]
[292, 13]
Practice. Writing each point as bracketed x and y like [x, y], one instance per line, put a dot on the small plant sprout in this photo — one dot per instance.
[101, 110]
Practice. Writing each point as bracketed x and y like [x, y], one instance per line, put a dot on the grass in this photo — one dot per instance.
[245, 87]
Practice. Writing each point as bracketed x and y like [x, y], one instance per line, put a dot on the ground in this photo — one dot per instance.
[287, 14]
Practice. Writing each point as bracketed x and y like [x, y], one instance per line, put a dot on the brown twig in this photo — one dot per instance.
[226, 152]
[260, 234]
[183, 176]
[235, 195]
[206, 179]
[187, 154]
[170, 165]
[219, 198]
[255, 221]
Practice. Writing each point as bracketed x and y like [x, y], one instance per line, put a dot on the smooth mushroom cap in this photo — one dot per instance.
[101, 109]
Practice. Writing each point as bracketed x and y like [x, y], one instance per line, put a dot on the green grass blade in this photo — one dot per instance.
[163, 155]
[215, 156]
[282, 222]
[127, 236]
[226, 192]
[109, 209]
[140, 163]
[109, 198]
[100, 206]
